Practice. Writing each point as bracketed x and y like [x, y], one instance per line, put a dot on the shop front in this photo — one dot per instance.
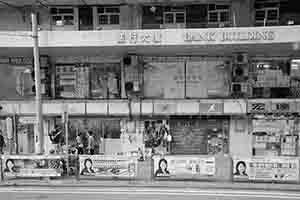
[275, 144]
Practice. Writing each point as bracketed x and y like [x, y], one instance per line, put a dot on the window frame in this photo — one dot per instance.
[218, 11]
[63, 16]
[108, 15]
[266, 20]
[174, 14]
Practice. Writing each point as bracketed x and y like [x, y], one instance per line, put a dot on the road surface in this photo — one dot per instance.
[76, 193]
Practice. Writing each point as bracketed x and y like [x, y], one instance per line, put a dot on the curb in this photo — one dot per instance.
[141, 184]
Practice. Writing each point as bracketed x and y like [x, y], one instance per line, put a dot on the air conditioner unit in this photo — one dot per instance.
[240, 58]
[240, 71]
[239, 87]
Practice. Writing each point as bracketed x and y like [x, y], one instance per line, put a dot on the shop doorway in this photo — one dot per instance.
[26, 143]
[85, 18]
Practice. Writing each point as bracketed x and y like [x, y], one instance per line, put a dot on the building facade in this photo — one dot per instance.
[196, 77]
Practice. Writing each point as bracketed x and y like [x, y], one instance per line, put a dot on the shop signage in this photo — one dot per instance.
[281, 107]
[27, 120]
[20, 61]
[165, 108]
[258, 107]
[211, 108]
[108, 166]
[32, 166]
[184, 167]
[229, 36]
[266, 169]
[140, 38]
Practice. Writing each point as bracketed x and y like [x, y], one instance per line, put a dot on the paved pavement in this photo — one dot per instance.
[55, 193]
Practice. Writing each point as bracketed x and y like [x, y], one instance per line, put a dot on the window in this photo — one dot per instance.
[174, 15]
[109, 15]
[218, 13]
[266, 13]
[62, 16]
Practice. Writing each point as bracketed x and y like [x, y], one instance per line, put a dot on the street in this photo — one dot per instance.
[68, 193]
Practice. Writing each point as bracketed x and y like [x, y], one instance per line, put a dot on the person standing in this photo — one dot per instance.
[79, 144]
[91, 143]
[2, 142]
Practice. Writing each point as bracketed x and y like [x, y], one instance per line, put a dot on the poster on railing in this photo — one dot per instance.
[32, 166]
[184, 167]
[266, 169]
[108, 166]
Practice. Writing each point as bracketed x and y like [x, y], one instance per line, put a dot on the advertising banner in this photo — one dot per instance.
[32, 166]
[184, 167]
[108, 166]
[266, 169]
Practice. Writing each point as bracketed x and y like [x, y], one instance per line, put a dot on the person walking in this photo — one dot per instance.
[2, 142]
[91, 143]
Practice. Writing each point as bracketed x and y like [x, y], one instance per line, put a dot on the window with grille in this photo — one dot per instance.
[267, 13]
[218, 13]
[109, 15]
[174, 15]
[61, 16]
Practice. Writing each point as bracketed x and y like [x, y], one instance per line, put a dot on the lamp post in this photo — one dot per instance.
[38, 101]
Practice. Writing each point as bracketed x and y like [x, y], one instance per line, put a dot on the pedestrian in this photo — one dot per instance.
[79, 143]
[2, 142]
[56, 137]
[91, 143]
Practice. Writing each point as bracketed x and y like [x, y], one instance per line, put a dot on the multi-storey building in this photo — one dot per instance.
[222, 75]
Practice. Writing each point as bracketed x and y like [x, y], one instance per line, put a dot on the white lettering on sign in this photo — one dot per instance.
[195, 36]
[139, 37]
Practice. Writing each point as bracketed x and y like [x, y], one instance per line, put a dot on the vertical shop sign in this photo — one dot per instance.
[266, 169]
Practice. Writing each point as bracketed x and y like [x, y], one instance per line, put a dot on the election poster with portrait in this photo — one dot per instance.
[108, 166]
[32, 166]
[184, 167]
[266, 169]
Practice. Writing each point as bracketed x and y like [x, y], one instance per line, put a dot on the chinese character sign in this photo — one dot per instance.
[140, 38]
[266, 169]
[184, 167]
[33, 166]
[108, 166]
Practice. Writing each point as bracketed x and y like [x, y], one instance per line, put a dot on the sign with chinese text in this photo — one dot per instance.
[184, 167]
[266, 169]
[33, 166]
[108, 166]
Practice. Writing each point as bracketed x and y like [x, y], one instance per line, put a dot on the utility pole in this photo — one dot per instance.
[39, 137]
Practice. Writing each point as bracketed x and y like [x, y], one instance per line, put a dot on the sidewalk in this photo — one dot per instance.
[153, 184]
